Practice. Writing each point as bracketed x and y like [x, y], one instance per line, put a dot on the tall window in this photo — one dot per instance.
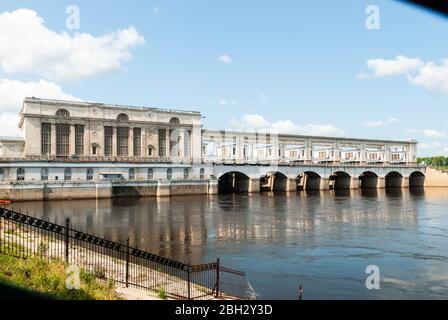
[108, 140]
[62, 139]
[186, 174]
[68, 174]
[89, 175]
[169, 174]
[131, 174]
[150, 151]
[44, 174]
[79, 139]
[20, 174]
[137, 142]
[162, 142]
[46, 138]
[202, 174]
[122, 141]
[150, 174]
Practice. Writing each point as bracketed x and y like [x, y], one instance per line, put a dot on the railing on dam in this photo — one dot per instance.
[25, 236]
[313, 163]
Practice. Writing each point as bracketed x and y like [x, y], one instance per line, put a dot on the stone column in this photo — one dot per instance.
[72, 140]
[324, 184]
[143, 144]
[168, 143]
[254, 185]
[252, 151]
[114, 141]
[412, 151]
[405, 182]
[196, 144]
[131, 142]
[387, 154]
[181, 143]
[337, 156]
[87, 149]
[354, 183]
[53, 139]
[308, 151]
[363, 153]
[381, 183]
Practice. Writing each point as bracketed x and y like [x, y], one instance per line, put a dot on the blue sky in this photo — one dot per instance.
[298, 66]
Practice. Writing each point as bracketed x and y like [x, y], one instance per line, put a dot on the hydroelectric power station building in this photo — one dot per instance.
[75, 150]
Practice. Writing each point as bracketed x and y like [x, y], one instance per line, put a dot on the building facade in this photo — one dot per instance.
[82, 149]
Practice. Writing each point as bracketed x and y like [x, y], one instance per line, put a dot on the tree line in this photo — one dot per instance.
[439, 161]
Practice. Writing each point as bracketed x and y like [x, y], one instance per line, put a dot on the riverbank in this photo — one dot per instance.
[48, 278]
[130, 279]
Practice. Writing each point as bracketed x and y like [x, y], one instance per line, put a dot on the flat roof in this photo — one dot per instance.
[105, 105]
[304, 137]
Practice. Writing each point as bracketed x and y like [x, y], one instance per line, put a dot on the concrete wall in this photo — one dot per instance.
[436, 178]
[71, 191]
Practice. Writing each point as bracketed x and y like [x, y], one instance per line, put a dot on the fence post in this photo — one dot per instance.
[189, 282]
[67, 245]
[128, 253]
[217, 278]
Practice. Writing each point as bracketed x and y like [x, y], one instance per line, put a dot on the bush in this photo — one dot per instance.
[161, 293]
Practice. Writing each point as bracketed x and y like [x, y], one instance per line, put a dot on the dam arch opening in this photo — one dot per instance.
[274, 181]
[416, 180]
[233, 182]
[339, 180]
[368, 180]
[394, 179]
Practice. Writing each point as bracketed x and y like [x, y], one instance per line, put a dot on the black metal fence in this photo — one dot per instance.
[24, 236]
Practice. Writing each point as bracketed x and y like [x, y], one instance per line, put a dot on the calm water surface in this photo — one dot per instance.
[323, 240]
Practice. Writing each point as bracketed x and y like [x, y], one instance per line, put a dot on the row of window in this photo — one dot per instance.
[63, 139]
[20, 176]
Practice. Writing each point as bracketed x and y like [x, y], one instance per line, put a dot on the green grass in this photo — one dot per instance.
[49, 278]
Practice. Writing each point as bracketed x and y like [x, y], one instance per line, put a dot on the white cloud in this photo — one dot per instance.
[27, 46]
[264, 96]
[13, 92]
[250, 121]
[258, 122]
[399, 65]
[381, 123]
[227, 103]
[429, 75]
[432, 77]
[378, 123]
[225, 58]
[429, 133]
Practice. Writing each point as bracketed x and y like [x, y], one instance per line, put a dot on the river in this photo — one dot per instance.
[322, 240]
